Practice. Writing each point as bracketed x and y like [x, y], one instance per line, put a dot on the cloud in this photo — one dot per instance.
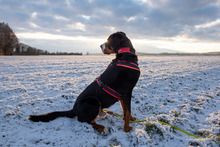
[141, 19]
[34, 15]
[208, 25]
[61, 18]
[33, 25]
[77, 26]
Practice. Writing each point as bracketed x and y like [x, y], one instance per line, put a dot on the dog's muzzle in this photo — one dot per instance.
[103, 47]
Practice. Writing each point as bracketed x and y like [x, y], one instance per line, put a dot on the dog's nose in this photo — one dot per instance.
[103, 47]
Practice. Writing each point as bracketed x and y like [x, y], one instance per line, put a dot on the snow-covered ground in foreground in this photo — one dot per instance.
[183, 91]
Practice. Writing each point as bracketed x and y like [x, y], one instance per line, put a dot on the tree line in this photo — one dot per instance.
[10, 45]
[23, 49]
[8, 40]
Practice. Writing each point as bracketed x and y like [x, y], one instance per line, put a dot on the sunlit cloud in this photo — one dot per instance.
[85, 17]
[209, 24]
[33, 25]
[47, 36]
[141, 45]
[77, 26]
[61, 18]
[131, 18]
[154, 3]
[34, 15]
[181, 44]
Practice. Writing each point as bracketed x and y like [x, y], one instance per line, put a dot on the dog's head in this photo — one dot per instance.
[114, 42]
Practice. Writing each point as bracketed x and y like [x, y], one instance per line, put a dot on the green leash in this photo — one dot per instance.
[185, 132]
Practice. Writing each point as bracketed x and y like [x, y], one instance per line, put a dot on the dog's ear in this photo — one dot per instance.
[116, 40]
[122, 36]
[112, 41]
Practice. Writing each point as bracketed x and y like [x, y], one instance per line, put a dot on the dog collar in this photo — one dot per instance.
[126, 50]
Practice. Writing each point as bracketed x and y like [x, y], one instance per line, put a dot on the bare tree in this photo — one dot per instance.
[8, 39]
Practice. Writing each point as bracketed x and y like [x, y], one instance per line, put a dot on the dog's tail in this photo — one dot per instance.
[51, 116]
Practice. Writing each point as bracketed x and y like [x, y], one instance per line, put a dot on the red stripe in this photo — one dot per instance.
[133, 63]
[107, 86]
[128, 67]
[112, 90]
[128, 62]
[111, 94]
[124, 50]
[98, 82]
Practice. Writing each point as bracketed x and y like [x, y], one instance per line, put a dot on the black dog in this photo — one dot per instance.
[115, 84]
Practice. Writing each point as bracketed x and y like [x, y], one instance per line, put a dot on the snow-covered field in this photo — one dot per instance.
[183, 91]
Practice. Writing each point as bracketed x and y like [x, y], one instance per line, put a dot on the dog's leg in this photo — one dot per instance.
[127, 116]
[99, 128]
[131, 117]
[129, 107]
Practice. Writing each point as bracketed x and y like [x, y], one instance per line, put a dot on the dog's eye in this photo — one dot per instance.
[107, 45]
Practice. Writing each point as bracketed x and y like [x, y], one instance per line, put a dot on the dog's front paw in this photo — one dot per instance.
[128, 129]
[100, 128]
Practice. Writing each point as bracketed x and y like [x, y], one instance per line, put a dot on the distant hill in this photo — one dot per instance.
[23, 49]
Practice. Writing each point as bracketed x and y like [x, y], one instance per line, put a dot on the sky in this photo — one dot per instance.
[154, 26]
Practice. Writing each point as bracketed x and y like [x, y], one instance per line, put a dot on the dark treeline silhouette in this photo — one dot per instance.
[23, 49]
[8, 39]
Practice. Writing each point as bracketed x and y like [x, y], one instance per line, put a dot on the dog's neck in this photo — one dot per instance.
[126, 54]
[126, 50]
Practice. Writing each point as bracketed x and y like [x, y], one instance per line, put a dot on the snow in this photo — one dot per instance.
[181, 90]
